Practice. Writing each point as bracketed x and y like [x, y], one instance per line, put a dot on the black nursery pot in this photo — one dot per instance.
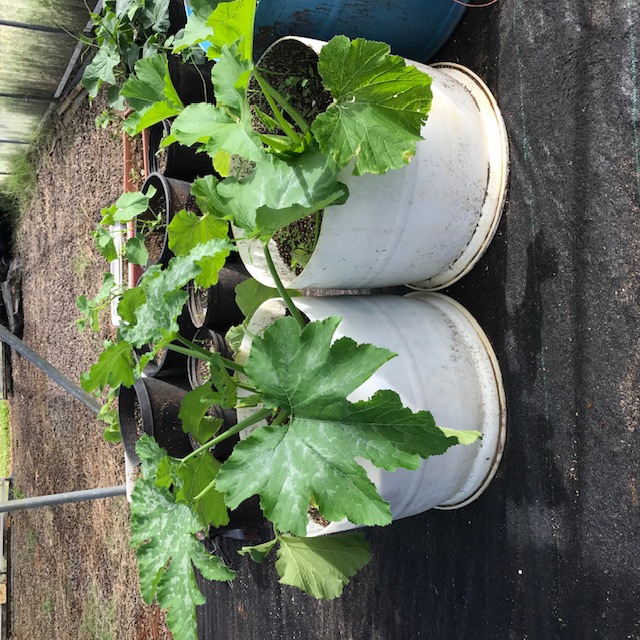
[177, 17]
[170, 197]
[176, 160]
[197, 369]
[216, 308]
[191, 81]
[151, 406]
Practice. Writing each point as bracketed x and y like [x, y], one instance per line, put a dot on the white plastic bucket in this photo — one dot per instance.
[426, 224]
[445, 365]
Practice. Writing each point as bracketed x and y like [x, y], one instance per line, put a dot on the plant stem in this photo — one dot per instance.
[284, 103]
[260, 414]
[282, 417]
[267, 89]
[272, 141]
[284, 294]
[204, 491]
[203, 354]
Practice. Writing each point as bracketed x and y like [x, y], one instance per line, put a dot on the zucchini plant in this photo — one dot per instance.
[295, 377]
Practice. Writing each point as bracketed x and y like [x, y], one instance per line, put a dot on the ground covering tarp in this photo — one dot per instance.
[551, 549]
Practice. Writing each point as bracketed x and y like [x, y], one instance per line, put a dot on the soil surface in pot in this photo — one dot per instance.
[296, 241]
[151, 225]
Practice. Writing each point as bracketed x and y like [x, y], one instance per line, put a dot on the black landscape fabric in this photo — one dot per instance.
[550, 550]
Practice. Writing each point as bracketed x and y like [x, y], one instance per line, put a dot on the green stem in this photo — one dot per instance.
[284, 294]
[286, 105]
[261, 414]
[247, 387]
[267, 89]
[272, 141]
[204, 491]
[203, 354]
[282, 417]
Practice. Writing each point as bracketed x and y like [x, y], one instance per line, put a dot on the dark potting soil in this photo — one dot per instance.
[151, 226]
[203, 372]
[296, 241]
[317, 517]
[137, 419]
[292, 68]
[154, 242]
[192, 205]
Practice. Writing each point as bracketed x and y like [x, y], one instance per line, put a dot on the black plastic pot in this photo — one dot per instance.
[151, 406]
[177, 17]
[192, 82]
[218, 309]
[170, 197]
[176, 160]
[217, 344]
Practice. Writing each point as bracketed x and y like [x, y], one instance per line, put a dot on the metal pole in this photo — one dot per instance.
[31, 27]
[24, 96]
[62, 498]
[57, 376]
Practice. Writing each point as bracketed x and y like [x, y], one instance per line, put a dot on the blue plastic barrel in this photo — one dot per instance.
[415, 29]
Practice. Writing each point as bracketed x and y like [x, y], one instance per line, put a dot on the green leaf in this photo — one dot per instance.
[321, 566]
[258, 552]
[155, 15]
[147, 84]
[187, 230]
[136, 252]
[232, 21]
[379, 105]
[235, 336]
[105, 244]
[150, 92]
[196, 31]
[217, 130]
[230, 77]
[280, 191]
[128, 206]
[164, 295]
[196, 475]
[114, 368]
[194, 409]
[463, 437]
[163, 534]
[130, 300]
[101, 69]
[314, 454]
[250, 294]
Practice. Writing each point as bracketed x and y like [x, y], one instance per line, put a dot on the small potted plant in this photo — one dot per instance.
[304, 431]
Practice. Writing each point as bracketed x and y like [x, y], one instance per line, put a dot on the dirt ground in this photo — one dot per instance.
[72, 572]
